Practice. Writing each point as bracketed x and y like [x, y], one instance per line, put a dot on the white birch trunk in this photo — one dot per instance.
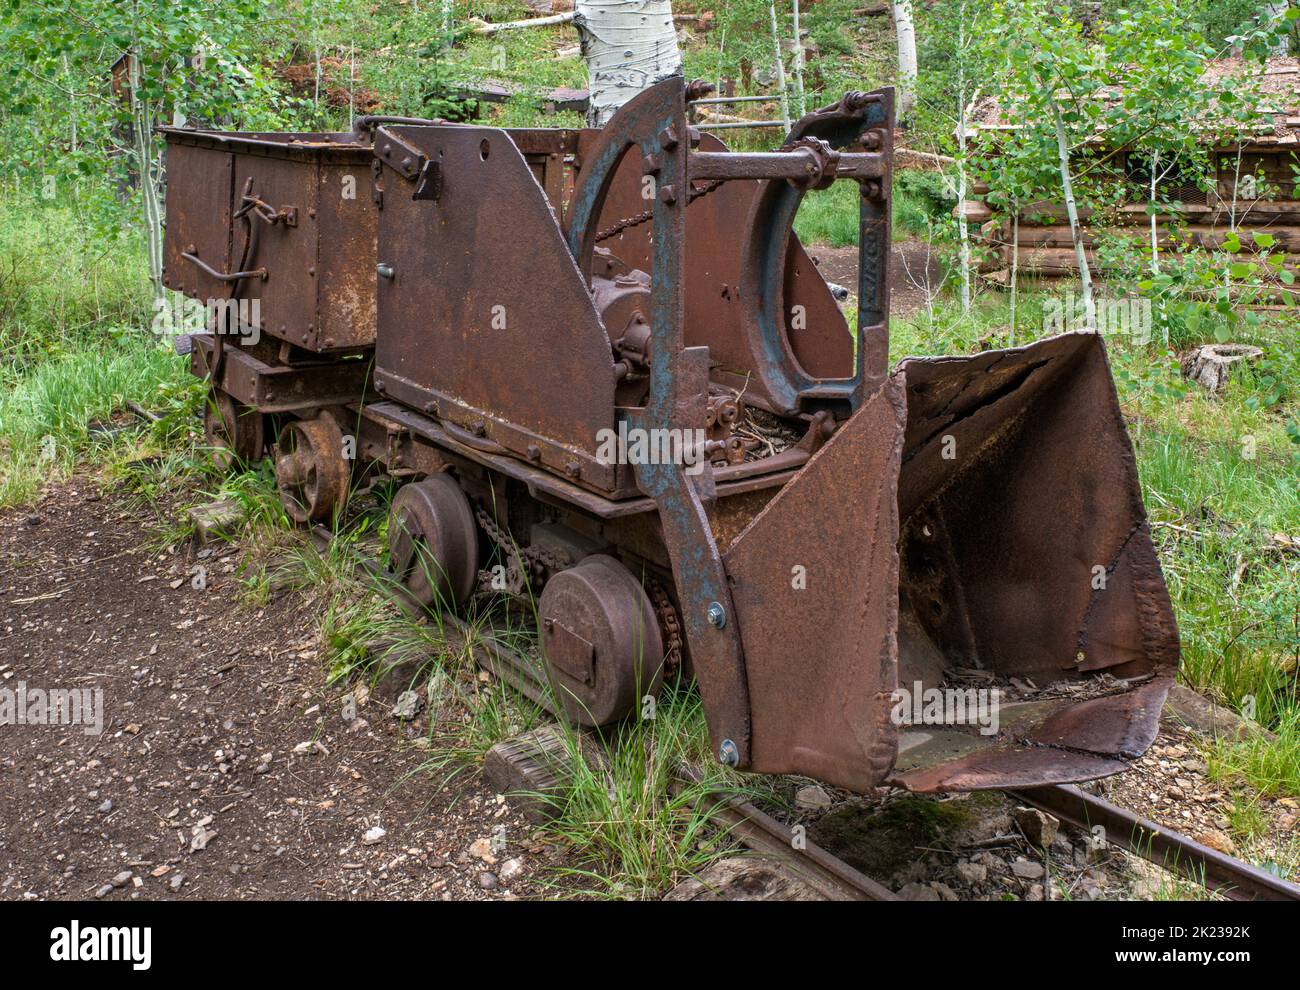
[905, 32]
[798, 63]
[964, 230]
[142, 121]
[1072, 211]
[1155, 240]
[779, 66]
[628, 45]
[1015, 265]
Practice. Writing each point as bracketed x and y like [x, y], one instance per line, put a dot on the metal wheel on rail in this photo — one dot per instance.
[433, 542]
[600, 641]
[312, 471]
[235, 433]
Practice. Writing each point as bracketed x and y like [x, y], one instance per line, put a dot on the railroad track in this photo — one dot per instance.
[836, 880]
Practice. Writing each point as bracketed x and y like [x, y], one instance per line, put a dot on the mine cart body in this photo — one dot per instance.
[284, 219]
[844, 531]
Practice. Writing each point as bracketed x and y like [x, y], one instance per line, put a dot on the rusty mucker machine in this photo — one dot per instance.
[474, 311]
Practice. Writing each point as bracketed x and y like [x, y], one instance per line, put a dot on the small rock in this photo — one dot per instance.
[510, 869]
[918, 892]
[408, 705]
[104, 891]
[488, 881]
[1036, 892]
[177, 881]
[201, 838]
[1039, 828]
[1217, 840]
[311, 746]
[1027, 869]
[812, 798]
[482, 849]
[945, 892]
[374, 835]
[973, 873]
[122, 879]
[106, 807]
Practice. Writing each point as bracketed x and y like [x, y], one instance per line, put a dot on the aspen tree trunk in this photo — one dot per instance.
[798, 63]
[779, 67]
[1015, 264]
[1155, 242]
[964, 230]
[905, 32]
[628, 45]
[1072, 211]
[142, 120]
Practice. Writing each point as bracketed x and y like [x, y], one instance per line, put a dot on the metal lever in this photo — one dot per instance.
[223, 276]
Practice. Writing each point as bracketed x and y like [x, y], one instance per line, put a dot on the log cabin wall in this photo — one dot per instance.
[1267, 200]
[1257, 183]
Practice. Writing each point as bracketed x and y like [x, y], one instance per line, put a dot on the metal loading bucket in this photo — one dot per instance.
[978, 520]
[1024, 552]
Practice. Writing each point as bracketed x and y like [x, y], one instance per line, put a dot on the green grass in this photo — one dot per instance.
[632, 826]
[830, 216]
[1271, 768]
[45, 413]
[65, 283]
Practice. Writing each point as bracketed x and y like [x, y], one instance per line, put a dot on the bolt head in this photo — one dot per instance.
[728, 754]
[717, 616]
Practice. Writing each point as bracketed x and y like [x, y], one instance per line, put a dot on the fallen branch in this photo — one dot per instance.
[483, 27]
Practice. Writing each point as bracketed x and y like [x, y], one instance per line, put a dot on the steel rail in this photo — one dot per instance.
[830, 876]
[1235, 879]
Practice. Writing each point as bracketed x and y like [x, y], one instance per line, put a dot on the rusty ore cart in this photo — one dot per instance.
[472, 311]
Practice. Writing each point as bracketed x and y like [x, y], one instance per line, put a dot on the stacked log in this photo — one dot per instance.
[1047, 248]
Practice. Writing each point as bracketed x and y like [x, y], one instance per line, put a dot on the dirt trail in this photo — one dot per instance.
[197, 786]
[914, 270]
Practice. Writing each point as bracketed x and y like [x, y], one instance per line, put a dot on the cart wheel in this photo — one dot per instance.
[433, 542]
[600, 640]
[311, 470]
[235, 433]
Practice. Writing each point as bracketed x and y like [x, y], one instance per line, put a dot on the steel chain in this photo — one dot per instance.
[628, 223]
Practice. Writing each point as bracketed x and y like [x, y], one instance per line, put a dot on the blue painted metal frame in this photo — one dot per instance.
[792, 389]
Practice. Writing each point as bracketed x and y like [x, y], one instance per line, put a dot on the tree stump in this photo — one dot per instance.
[1210, 365]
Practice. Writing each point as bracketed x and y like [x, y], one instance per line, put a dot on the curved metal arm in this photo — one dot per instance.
[223, 276]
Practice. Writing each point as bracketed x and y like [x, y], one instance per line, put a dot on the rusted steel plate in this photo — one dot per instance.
[274, 388]
[1008, 765]
[345, 265]
[1122, 725]
[1025, 548]
[198, 204]
[814, 580]
[486, 320]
